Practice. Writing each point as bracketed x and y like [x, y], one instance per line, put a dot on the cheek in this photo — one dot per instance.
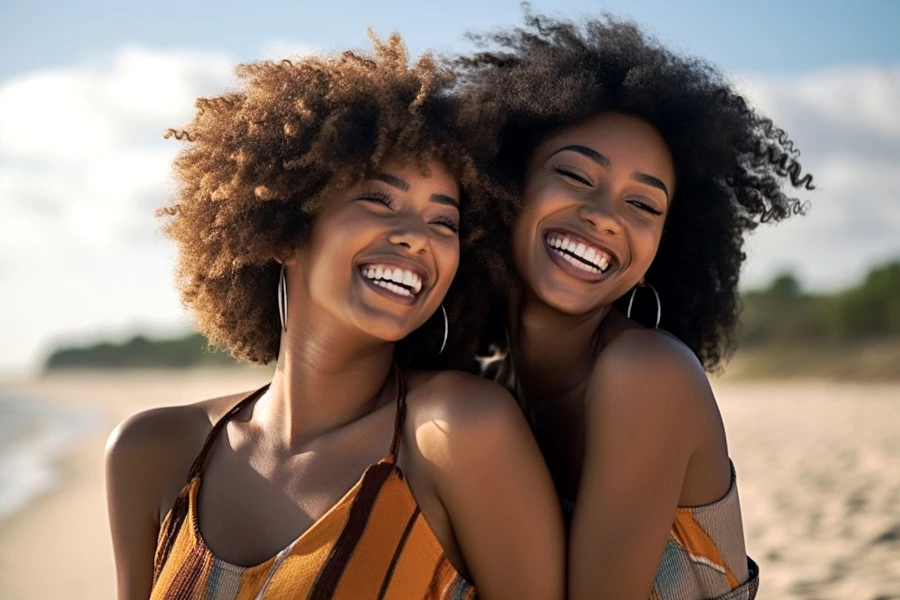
[645, 242]
[333, 244]
[447, 259]
[535, 205]
[520, 240]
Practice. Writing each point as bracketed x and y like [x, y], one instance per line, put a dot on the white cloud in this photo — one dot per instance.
[82, 167]
[846, 123]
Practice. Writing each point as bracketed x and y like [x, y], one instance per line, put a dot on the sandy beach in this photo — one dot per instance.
[818, 471]
[59, 547]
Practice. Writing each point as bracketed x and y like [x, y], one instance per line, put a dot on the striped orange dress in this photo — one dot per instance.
[704, 557]
[374, 543]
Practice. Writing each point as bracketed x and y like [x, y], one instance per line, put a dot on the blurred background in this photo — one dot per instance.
[92, 330]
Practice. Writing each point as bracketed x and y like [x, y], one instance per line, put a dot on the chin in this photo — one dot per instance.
[562, 301]
[389, 330]
[559, 293]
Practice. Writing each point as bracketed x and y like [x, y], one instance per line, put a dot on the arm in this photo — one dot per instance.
[141, 456]
[646, 412]
[493, 482]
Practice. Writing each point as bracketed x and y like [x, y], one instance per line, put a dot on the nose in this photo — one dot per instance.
[410, 235]
[600, 216]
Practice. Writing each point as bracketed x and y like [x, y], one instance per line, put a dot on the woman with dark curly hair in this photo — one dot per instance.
[340, 183]
[638, 173]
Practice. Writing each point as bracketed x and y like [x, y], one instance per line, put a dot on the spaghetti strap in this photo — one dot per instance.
[373, 543]
[200, 462]
[176, 516]
[400, 419]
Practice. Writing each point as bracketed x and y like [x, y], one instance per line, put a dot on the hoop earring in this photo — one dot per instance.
[658, 303]
[282, 299]
[446, 329]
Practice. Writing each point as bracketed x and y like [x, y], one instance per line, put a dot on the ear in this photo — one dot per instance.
[289, 256]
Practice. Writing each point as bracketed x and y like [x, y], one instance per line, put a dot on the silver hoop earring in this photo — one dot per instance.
[658, 303]
[282, 299]
[446, 329]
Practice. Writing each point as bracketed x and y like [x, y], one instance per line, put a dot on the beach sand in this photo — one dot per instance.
[59, 547]
[818, 472]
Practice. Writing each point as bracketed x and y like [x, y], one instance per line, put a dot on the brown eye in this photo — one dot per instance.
[448, 223]
[377, 197]
[574, 176]
[645, 207]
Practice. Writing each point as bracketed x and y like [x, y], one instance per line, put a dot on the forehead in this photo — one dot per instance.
[627, 141]
[433, 173]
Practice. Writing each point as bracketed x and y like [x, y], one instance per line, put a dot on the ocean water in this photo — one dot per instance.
[33, 436]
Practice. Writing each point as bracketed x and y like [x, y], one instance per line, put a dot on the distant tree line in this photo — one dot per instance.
[141, 353]
[783, 314]
[780, 317]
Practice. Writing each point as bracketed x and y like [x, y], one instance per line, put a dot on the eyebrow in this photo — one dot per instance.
[444, 199]
[651, 181]
[401, 185]
[585, 151]
[392, 181]
[604, 162]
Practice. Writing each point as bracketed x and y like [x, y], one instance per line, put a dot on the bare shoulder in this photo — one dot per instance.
[159, 432]
[463, 400]
[153, 450]
[474, 452]
[653, 373]
[454, 417]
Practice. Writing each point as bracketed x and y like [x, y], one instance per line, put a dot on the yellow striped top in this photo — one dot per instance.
[374, 543]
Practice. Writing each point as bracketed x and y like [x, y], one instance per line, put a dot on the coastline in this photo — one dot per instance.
[818, 468]
[58, 545]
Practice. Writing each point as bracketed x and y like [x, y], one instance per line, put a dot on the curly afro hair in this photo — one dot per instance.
[261, 160]
[731, 163]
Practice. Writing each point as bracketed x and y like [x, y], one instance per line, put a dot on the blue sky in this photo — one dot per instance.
[772, 36]
[87, 88]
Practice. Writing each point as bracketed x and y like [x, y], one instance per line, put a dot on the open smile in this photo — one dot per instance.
[398, 283]
[578, 256]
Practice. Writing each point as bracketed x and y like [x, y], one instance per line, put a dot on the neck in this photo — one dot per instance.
[553, 352]
[327, 376]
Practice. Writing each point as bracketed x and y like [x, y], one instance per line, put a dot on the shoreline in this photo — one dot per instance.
[58, 545]
[818, 468]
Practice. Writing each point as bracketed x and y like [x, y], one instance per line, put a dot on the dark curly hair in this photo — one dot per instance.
[260, 161]
[731, 163]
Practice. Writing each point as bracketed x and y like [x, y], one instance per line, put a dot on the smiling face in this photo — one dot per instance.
[382, 254]
[595, 201]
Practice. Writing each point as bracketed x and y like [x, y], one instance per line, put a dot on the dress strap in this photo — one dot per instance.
[175, 519]
[202, 458]
[400, 419]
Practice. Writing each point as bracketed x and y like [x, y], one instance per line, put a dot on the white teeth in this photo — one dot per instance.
[402, 291]
[387, 277]
[599, 260]
[577, 263]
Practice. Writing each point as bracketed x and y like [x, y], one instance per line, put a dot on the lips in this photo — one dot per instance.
[398, 282]
[578, 256]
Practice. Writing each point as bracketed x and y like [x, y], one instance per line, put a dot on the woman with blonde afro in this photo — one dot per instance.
[329, 219]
